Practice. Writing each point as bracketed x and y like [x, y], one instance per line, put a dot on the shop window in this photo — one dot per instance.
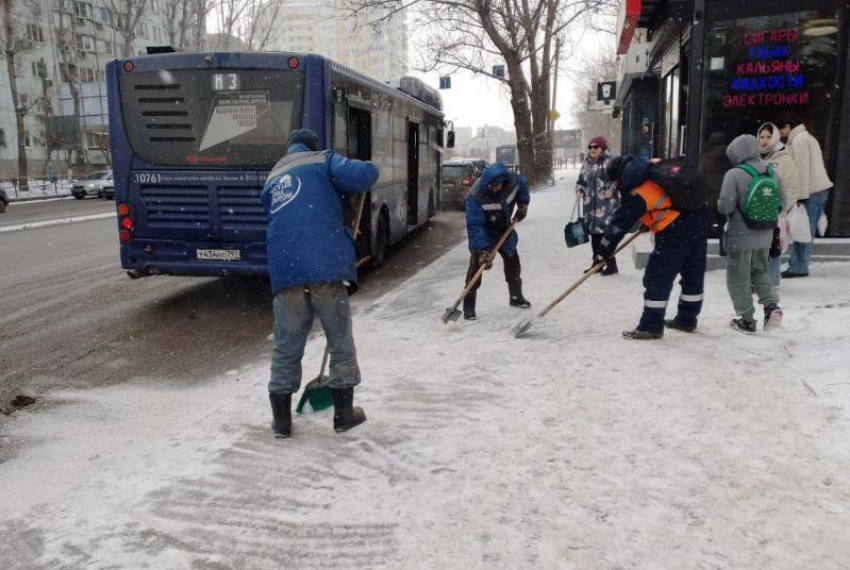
[760, 69]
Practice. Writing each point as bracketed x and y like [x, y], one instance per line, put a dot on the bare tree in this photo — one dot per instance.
[127, 14]
[257, 24]
[13, 45]
[601, 66]
[474, 35]
[185, 21]
[66, 49]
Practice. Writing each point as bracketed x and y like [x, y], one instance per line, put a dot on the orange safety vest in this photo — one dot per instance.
[659, 208]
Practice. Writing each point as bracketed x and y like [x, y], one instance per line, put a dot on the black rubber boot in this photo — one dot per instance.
[346, 416]
[517, 300]
[610, 267]
[469, 306]
[638, 334]
[282, 414]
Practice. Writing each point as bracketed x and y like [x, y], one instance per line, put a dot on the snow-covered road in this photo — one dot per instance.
[568, 448]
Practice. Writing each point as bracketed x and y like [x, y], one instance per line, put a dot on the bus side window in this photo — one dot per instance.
[340, 125]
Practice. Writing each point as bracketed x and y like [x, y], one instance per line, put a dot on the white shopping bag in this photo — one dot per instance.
[823, 223]
[784, 233]
[798, 222]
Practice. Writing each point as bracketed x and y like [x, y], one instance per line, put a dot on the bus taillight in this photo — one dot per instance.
[467, 181]
[293, 62]
[125, 222]
[128, 66]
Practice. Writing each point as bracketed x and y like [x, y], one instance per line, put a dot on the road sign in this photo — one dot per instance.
[445, 82]
[499, 71]
[554, 115]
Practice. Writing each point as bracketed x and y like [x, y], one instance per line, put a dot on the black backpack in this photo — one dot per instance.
[687, 187]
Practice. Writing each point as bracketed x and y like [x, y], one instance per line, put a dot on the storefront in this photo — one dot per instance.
[732, 66]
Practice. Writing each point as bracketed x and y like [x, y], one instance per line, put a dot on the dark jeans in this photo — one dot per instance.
[512, 269]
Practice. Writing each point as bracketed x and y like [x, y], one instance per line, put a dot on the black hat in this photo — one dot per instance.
[304, 136]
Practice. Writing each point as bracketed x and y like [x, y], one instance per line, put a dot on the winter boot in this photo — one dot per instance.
[282, 414]
[676, 325]
[744, 325]
[517, 300]
[346, 416]
[772, 317]
[610, 267]
[469, 306]
[638, 334]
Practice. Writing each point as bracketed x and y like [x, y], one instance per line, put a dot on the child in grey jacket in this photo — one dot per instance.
[747, 262]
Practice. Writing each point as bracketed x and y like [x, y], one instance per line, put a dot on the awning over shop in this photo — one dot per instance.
[636, 14]
[627, 23]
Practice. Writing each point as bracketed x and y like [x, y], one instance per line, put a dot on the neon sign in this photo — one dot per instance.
[772, 76]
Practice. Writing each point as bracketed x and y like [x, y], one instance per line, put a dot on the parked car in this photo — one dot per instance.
[4, 200]
[107, 189]
[458, 177]
[93, 185]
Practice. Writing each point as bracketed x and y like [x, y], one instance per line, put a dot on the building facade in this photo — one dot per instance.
[60, 50]
[714, 69]
[330, 29]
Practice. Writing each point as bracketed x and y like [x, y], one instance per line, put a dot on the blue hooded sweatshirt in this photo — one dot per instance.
[307, 241]
[488, 215]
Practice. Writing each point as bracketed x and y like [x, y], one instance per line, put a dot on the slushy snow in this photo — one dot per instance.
[569, 448]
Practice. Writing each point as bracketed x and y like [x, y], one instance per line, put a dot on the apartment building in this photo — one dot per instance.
[327, 27]
[57, 71]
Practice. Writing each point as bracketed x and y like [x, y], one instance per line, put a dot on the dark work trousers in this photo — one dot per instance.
[512, 269]
[680, 249]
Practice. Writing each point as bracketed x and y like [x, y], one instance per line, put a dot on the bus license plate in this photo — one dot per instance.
[219, 254]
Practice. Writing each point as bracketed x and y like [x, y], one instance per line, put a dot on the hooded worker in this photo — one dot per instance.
[489, 211]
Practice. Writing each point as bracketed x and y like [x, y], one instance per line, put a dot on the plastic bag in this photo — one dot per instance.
[576, 231]
[823, 223]
[799, 227]
[784, 233]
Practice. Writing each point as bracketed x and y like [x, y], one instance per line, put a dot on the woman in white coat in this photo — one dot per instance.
[814, 186]
[774, 153]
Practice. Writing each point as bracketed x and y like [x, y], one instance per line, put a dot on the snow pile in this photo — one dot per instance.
[567, 448]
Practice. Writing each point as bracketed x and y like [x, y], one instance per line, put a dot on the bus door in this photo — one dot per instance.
[353, 138]
[412, 173]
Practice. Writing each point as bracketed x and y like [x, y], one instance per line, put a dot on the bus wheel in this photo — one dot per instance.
[382, 239]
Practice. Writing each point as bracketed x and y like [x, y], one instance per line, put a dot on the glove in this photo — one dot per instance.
[521, 212]
[485, 258]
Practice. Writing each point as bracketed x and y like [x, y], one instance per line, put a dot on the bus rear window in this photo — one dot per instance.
[224, 117]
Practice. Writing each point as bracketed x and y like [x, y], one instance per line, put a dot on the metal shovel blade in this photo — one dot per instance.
[450, 315]
[522, 327]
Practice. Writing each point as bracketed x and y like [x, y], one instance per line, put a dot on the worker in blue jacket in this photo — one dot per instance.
[489, 212]
[312, 267]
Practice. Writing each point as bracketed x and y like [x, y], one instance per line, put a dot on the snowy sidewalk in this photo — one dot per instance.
[570, 448]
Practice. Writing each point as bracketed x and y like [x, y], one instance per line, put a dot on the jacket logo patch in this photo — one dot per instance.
[284, 191]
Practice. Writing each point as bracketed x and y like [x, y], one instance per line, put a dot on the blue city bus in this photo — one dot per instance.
[193, 136]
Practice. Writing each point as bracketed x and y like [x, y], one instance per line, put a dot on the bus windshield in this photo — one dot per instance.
[224, 117]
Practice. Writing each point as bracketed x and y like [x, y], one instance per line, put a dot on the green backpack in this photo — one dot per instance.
[762, 203]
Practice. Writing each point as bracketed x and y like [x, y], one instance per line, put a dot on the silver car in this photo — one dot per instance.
[95, 184]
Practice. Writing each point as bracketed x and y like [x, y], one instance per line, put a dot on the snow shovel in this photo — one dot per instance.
[317, 391]
[523, 326]
[452, 314]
